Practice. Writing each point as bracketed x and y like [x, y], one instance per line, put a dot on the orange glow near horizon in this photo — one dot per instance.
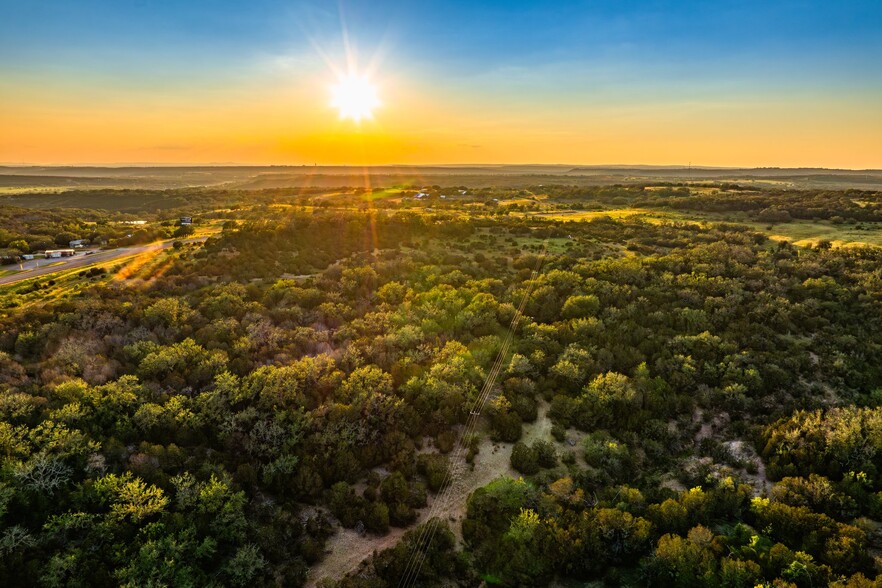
[75, 124]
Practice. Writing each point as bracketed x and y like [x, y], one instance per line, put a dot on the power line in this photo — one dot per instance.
[421, 546]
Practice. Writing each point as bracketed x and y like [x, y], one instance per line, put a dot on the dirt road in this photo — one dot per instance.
[346, 550]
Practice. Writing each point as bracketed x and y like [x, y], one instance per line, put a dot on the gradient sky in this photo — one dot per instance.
[739, 83]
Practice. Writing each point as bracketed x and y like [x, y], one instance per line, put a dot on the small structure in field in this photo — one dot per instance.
[186, 220]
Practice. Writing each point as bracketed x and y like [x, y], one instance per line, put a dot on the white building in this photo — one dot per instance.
[56, 253]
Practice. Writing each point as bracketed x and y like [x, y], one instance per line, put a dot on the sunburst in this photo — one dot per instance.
[355, 97]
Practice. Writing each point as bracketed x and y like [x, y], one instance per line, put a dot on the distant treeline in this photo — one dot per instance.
[780, 205]
[152, 202]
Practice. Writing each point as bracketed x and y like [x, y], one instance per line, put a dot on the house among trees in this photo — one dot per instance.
[9, 256]
[186, 220]
[77, 243]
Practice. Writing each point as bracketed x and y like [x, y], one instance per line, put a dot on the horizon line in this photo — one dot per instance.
[149, 165]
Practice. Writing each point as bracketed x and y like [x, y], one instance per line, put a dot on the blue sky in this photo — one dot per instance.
[794, 38]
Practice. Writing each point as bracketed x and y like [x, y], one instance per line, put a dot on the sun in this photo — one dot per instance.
[355, 97]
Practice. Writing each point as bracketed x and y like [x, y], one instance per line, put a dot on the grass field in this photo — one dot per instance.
[515, 201]
[800, 232]
[810, 232]
[587, 215]
[207, 229]
[555, 245]
[388, 193]
[13, 190]
[804, 233]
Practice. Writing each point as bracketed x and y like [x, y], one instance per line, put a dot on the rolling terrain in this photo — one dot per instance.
[259, 177]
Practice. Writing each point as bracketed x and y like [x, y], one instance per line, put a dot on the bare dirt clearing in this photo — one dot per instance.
[347, 549]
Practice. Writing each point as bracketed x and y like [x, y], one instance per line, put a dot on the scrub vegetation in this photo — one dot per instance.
[686, 401]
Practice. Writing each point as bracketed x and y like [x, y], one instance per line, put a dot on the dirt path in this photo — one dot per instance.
[540, 429]
[347, 549]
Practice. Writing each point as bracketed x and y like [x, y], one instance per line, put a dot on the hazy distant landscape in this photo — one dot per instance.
[259, 177]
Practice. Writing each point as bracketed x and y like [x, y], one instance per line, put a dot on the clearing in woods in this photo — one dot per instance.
[347, 550]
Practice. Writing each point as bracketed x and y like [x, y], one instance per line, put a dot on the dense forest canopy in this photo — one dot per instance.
[713, 398]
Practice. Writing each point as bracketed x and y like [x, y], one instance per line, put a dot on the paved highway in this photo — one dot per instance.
[85, 261]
